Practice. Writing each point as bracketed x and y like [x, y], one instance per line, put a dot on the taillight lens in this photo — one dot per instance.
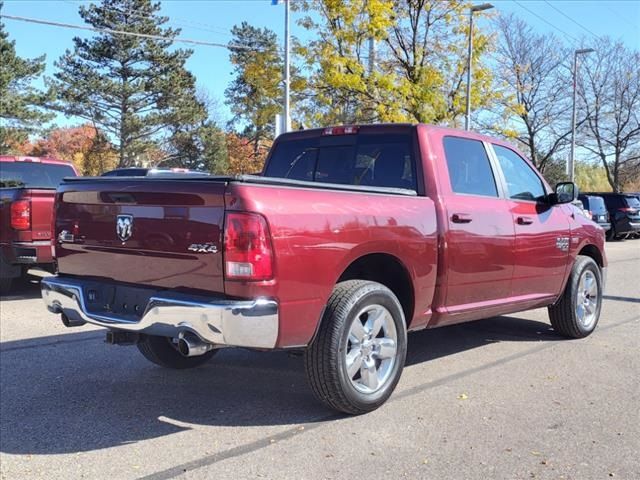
[247, 247]
[627, 210]
[21, 215]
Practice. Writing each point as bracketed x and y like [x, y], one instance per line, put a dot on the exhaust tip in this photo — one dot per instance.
[183, 347]
[70, 322]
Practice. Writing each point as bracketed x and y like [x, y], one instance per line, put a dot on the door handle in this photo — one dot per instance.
[525, 220]
[461, 218]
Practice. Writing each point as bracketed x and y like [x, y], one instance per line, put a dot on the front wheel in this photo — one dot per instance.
[356, 360]
[577, 312]
[164, 351]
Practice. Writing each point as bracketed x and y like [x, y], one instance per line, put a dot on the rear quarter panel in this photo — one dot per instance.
[317, 234]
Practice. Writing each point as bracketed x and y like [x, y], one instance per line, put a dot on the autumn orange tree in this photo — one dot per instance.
[242, 158]
[84, 146]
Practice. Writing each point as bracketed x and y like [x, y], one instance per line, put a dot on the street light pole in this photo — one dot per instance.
[571, 164]
[287, 93]
[472, 10]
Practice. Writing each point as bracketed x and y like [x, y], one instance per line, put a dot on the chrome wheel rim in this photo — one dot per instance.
[587, 299]
[371, 347]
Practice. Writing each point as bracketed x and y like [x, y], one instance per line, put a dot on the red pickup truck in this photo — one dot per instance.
[350, 238]
[27, 191]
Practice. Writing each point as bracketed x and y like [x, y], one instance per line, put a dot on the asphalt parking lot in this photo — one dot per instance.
[500, 398]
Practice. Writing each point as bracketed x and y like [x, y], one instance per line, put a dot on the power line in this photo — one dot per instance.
[182, 22]
[122, 32]
[545, 21]
[568, 17]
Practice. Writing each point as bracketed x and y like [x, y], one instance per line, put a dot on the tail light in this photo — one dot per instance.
[21, 215]
[247, 247]
[627, 210]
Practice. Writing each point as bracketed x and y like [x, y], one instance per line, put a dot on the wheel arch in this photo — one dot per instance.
[590, 250]
[389, 271]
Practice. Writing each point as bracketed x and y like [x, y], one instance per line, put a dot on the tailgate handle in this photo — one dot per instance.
[461, 218]
[525, 220]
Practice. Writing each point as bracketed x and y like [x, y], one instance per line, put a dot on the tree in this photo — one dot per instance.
[242, 158]
[609, 87]
[84, 146]
[199, 147]
[419, 67]
[20, 101]
[133, 88]
[536, 107]
[255, 94]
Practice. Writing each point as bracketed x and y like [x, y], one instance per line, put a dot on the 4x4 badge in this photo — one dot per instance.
[124, 227]
[203, 248]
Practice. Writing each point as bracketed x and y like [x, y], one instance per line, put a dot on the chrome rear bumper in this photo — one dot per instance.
[252, 323]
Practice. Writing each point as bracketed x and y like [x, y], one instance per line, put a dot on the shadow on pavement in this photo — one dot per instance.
[23, 288]
[622, 299]
[73, 393]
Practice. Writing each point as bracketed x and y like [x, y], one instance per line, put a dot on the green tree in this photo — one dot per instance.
[255, 94]
[202, 147]
[20, 101]
[134, 88]
[418, 73]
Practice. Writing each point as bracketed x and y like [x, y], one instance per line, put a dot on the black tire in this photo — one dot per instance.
[563, 316]
[325, 358]
[161, 351]
[5, 285]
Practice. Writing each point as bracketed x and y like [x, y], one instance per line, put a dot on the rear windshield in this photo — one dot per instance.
[380, 160]
[633, 202]
[33, 174]
[595, 204]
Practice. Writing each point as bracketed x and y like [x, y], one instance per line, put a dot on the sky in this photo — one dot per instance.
[212, 20]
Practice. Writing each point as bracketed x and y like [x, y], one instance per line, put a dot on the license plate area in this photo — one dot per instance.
[118, 300]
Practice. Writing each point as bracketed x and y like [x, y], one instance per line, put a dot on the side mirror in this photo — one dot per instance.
[565, 192]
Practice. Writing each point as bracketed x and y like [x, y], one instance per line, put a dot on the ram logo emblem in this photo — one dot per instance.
[124, 227]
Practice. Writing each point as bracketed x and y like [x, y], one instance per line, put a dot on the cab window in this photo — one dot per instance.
[469, 168]
[522, 182]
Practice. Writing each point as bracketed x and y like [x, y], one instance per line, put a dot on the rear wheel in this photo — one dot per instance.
[577, 313]
[164, 351]
[356, 360]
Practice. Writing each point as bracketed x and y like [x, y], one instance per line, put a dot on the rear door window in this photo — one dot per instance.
[469, 168]
[379, 160]
[33, 174]
[522, 182]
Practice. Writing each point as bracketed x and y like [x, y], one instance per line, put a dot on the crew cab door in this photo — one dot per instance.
[542, 231]
[479, 236]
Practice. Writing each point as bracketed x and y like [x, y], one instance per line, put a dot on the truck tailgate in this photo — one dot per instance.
[163, 233]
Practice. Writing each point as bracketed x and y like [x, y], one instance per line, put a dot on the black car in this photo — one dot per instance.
[624, 213]
[597, 209]
[150, 172]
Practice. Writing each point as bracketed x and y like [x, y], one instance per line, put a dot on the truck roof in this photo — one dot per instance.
[388, 127]
[16, 158]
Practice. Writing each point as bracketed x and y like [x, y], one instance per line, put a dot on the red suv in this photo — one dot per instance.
[27, 191]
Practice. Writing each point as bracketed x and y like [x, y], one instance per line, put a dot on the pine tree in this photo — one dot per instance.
[20, 102]
[136, 89]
